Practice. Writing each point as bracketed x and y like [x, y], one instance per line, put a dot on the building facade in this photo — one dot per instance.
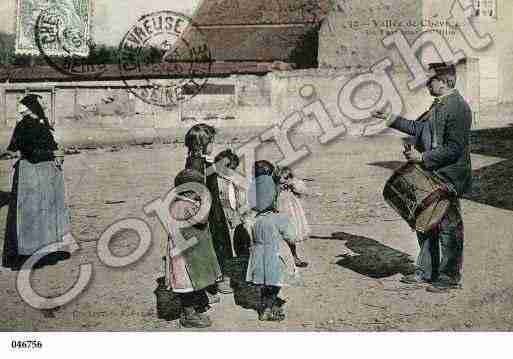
[352, 34]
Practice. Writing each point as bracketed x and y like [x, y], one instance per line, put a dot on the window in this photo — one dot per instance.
[485, 8]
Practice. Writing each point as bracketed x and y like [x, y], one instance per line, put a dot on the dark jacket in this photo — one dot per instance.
[442, 134]
[34, 140]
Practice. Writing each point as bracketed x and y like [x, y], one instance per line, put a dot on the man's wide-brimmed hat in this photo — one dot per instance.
[31, 101]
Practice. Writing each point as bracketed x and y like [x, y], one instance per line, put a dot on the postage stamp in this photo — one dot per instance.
[65, 27]
[164, 45]
[51, 33]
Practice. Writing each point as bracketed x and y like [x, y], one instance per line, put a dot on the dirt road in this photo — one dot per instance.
[358, 251]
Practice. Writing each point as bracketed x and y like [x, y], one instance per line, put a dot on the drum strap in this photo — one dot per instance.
[435, 196]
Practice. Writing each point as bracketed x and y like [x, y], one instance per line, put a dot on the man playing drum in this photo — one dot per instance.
[441, 145]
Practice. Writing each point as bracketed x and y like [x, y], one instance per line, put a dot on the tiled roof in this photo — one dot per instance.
[250, 44]
[255, 30]
[246, 12]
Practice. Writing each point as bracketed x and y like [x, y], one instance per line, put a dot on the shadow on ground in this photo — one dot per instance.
[371, 258]
[4, 198]
[491, 184]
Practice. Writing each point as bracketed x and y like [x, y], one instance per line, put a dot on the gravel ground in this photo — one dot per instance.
[357, 253]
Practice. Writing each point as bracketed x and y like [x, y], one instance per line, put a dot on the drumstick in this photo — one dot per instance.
[407, 143]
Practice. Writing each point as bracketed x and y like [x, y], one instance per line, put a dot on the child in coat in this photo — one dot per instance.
[270, 228]
[199, 141]
[191, 262]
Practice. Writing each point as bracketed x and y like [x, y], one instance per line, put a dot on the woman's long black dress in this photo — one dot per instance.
[35, 142]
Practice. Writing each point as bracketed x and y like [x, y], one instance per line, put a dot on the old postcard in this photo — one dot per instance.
[234, 165]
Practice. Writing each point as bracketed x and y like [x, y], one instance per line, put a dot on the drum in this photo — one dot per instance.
[420, 197]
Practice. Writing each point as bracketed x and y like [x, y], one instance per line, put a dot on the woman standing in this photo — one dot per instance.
[37, 215]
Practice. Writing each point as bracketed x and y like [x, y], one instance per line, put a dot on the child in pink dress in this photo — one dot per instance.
[289, 202]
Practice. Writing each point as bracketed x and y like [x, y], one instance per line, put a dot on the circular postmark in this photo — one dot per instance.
[164, 59]
[64, 43]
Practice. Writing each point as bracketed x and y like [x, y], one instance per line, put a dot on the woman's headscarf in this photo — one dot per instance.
[31, 101]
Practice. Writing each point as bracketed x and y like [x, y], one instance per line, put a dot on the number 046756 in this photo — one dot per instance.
[26, 344]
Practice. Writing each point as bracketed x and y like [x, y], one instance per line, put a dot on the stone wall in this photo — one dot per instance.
[327, 85]
[104, 112]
